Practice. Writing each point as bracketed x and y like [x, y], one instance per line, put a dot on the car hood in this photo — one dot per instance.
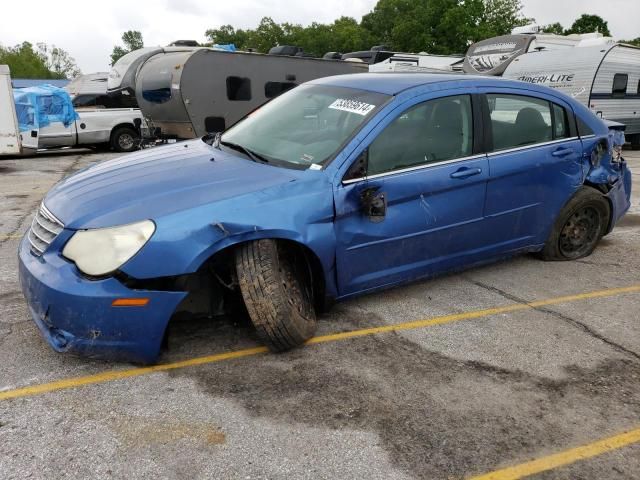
[156, 182]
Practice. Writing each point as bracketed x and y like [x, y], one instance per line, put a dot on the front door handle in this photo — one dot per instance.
[466, 172]
[562, 152]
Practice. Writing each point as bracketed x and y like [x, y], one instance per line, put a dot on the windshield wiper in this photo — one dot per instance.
[256, 157]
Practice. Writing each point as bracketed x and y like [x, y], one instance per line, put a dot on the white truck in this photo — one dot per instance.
[22, 133]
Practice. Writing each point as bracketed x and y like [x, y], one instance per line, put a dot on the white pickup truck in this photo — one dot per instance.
[93, 126]
[113, 127]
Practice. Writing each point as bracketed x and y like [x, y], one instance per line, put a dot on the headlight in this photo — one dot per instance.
[103, 250]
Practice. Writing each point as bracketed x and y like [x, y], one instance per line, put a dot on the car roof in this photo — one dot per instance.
[391, 83]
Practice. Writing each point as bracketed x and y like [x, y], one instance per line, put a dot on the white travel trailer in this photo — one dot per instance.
[11, 142]
[420, 62]
[9, 133]
[493, 55]
[605, 78]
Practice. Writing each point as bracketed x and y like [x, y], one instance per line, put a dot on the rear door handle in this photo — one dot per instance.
[466, 172]
[562, 152]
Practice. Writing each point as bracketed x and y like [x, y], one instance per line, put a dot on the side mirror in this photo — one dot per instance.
[374, 204]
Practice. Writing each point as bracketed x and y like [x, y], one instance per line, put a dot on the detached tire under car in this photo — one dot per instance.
[581, 224]
[276, 287]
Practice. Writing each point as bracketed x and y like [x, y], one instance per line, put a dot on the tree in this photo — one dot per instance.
[46, 62]
[58, 61]
[499, 17]
[132, 40]
[441, 26]
[227, 34]
[588, 24]
[435, 26]
[635, 41]
[555, 28]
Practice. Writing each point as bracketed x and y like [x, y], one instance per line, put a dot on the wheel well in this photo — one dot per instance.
[222, 264]
[122, 125]
[603, 190]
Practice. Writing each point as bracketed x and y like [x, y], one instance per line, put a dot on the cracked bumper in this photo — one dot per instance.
[76, 315]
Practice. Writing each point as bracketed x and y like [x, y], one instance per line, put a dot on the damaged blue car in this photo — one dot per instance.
[339, 187]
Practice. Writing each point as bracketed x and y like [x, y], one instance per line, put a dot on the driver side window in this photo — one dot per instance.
[430, 132]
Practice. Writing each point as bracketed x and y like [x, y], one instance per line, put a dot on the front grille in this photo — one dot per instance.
[44, 229]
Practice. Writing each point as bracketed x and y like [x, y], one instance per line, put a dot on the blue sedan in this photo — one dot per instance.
[341, 186]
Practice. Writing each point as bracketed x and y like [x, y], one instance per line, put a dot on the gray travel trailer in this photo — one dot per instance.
[605, 78]
[188, 92]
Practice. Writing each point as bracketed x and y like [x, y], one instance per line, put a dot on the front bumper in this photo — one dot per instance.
[76, 315]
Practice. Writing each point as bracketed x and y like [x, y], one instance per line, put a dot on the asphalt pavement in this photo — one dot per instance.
[450, 378]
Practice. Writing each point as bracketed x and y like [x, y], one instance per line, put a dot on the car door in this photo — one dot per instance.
[412, 202]
[535, 164]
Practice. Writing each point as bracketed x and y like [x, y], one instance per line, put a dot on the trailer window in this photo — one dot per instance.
[238, 88]
[517, 120]
[273, 89]
[620, 81]
[157, 89]
[560, 122]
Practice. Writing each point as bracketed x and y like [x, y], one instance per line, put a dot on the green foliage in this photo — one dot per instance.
[48, 62]
[58, 61]
[435, 26]
[441, 26]
[555, 28]
[343, 35]
[635, 41]
[588, 24]
[132, 40]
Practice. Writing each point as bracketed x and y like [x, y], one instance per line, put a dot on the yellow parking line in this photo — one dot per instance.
[136, 372]
[564, 458]
[8, 237]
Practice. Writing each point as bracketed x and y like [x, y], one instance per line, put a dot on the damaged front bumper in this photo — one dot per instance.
[76, 314]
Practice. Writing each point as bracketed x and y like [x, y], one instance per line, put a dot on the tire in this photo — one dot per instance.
[124, 139]
[276, 290]
[581, 224]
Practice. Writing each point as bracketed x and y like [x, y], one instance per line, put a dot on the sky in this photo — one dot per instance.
[88, 30]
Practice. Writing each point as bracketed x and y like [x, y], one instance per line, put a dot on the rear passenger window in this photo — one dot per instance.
[620, 81]
[560, 122]
[584, 130]
[433, 131]
[238, 88]
[517, 121]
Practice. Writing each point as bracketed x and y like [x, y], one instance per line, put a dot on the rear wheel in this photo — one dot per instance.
[276, 289]
[579, 227]
[125, 139]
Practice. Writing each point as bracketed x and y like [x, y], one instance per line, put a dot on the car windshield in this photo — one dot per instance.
[303, 127]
